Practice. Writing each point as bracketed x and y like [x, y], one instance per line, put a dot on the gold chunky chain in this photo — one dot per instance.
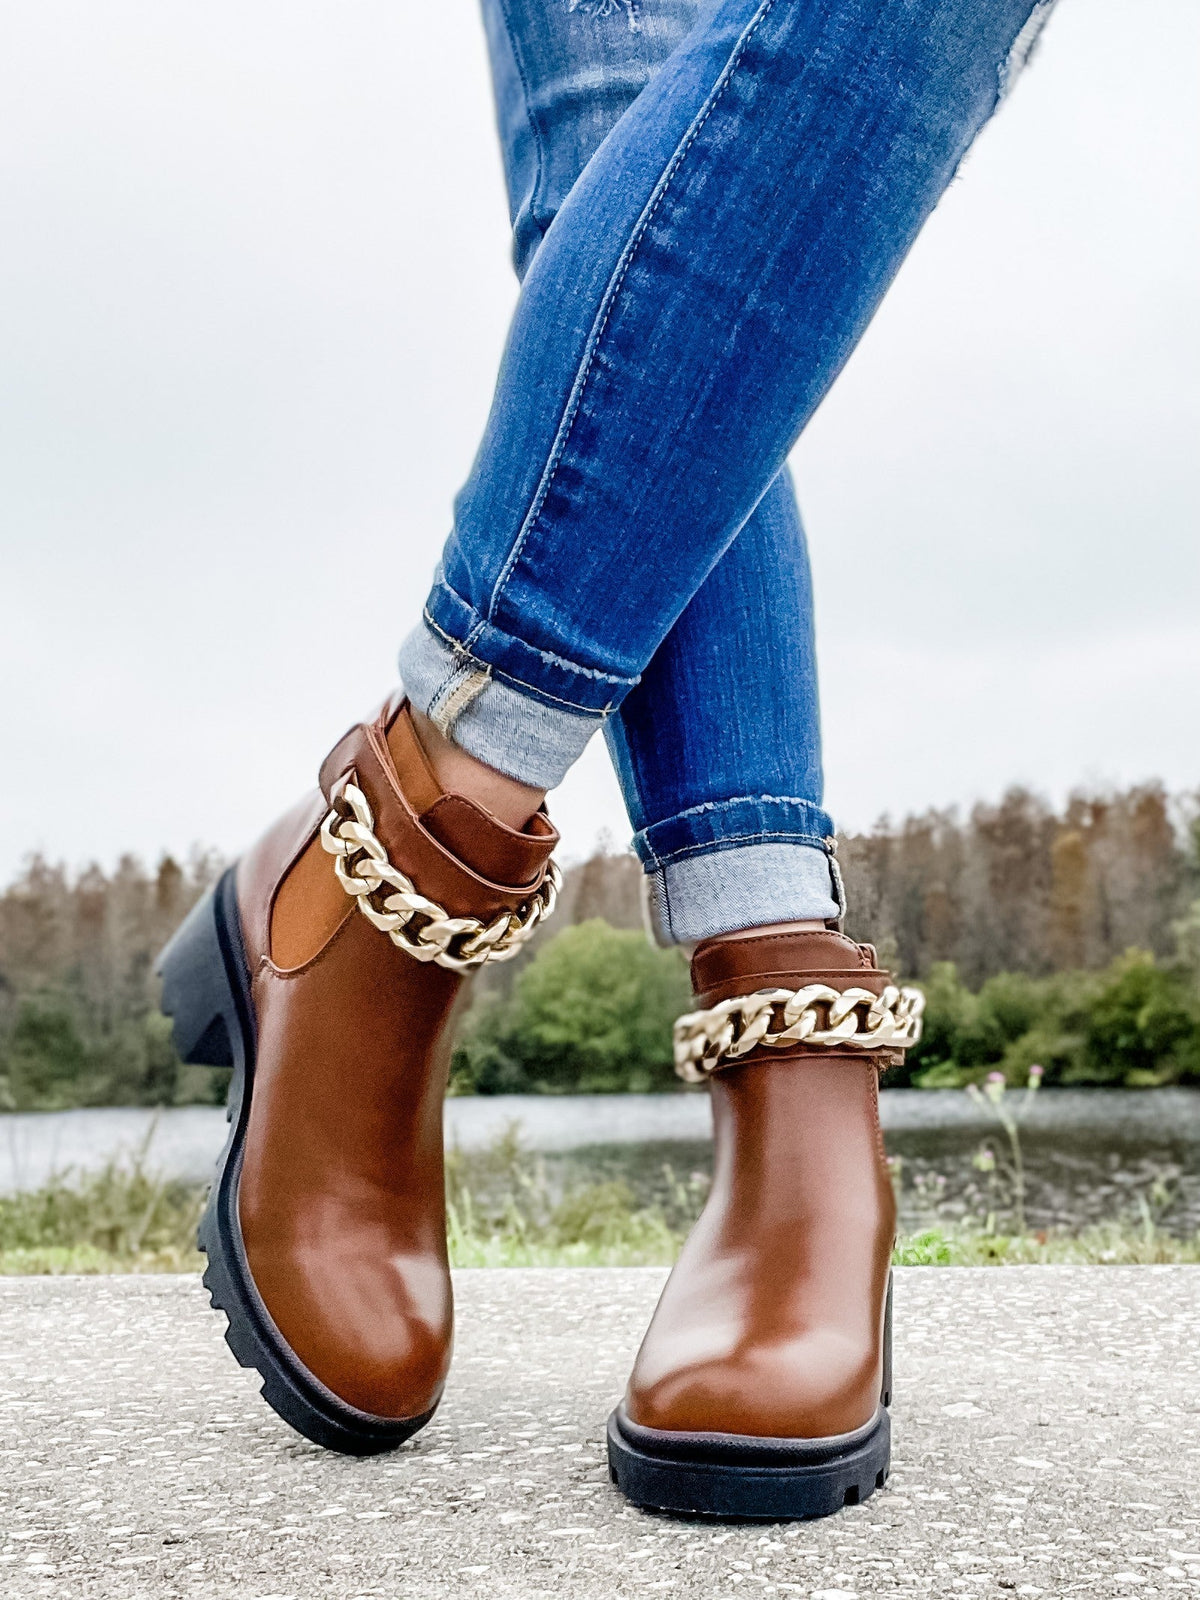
[389, 898]
[816, 1016]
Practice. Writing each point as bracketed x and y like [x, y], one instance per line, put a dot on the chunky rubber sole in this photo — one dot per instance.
[206, 993]
[751, 1479]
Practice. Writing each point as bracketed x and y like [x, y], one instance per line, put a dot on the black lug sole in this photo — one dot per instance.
[206, 993]
[742, 1478]
[756, 1480]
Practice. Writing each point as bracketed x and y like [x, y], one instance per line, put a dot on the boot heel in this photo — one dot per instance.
[200, 993]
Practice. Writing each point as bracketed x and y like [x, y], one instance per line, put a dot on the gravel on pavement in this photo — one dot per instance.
[1047, 1442]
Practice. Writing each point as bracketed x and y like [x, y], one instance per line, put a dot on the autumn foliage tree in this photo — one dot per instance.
[1017, 887]
[79, 1019]
[1067, 937]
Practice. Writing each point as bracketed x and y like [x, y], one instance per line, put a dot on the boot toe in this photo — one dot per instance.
[375, 1332]
[817, 1385]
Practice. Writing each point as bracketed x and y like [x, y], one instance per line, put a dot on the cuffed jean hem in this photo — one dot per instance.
[747, 886]
[508, 728]
[739, 863]
[722, 824]
[540, 673]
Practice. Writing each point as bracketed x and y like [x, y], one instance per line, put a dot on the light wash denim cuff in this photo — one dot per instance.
[698, 896]
[508, 728]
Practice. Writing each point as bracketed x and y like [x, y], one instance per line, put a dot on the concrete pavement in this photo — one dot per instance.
[1047, 1427]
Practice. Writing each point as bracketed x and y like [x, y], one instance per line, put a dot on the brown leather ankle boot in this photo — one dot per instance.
[324, 969]
[762, 1385]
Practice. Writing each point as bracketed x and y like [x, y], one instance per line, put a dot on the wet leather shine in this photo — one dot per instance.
[341, 1198]
[771, 1324]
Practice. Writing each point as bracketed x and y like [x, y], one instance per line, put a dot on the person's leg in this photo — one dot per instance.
[704, 751]
[718, 747]
[762, 1385]
[563, 76]
[698, 291]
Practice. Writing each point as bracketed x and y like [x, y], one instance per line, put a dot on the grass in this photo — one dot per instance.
[501, 1212]
[117, 1220]
[1121, 1243]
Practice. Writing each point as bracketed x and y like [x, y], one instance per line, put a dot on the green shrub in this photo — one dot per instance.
[1135, 1025]
[592, 1012]
[43, 1057]
[966, 1035]
[948, 1003]
[48, 1063]
[1142, 1028]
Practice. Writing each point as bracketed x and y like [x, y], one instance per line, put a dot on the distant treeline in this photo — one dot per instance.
[1071, 938]
[79, 1019]
[1018, 887]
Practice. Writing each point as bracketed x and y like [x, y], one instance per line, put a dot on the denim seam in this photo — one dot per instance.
[463, 662]
[653, 859]
[460, 647]
[448, 639]
[456, 694]
[575, 398]
[500, 675]
[715, 846]
[668, 918]
[547, 656]
[539, 142]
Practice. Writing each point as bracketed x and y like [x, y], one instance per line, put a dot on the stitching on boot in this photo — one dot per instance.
[814, 933]
[873, 1074]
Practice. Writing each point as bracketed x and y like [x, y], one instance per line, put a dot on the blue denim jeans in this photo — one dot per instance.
[709, 201]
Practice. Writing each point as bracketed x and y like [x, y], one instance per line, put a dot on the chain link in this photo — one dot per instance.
[389, 898]
[816, 1016]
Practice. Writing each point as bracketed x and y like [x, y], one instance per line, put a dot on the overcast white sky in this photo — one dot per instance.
[253, 284]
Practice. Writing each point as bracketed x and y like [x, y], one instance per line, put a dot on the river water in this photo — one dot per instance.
[1089, 1155]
